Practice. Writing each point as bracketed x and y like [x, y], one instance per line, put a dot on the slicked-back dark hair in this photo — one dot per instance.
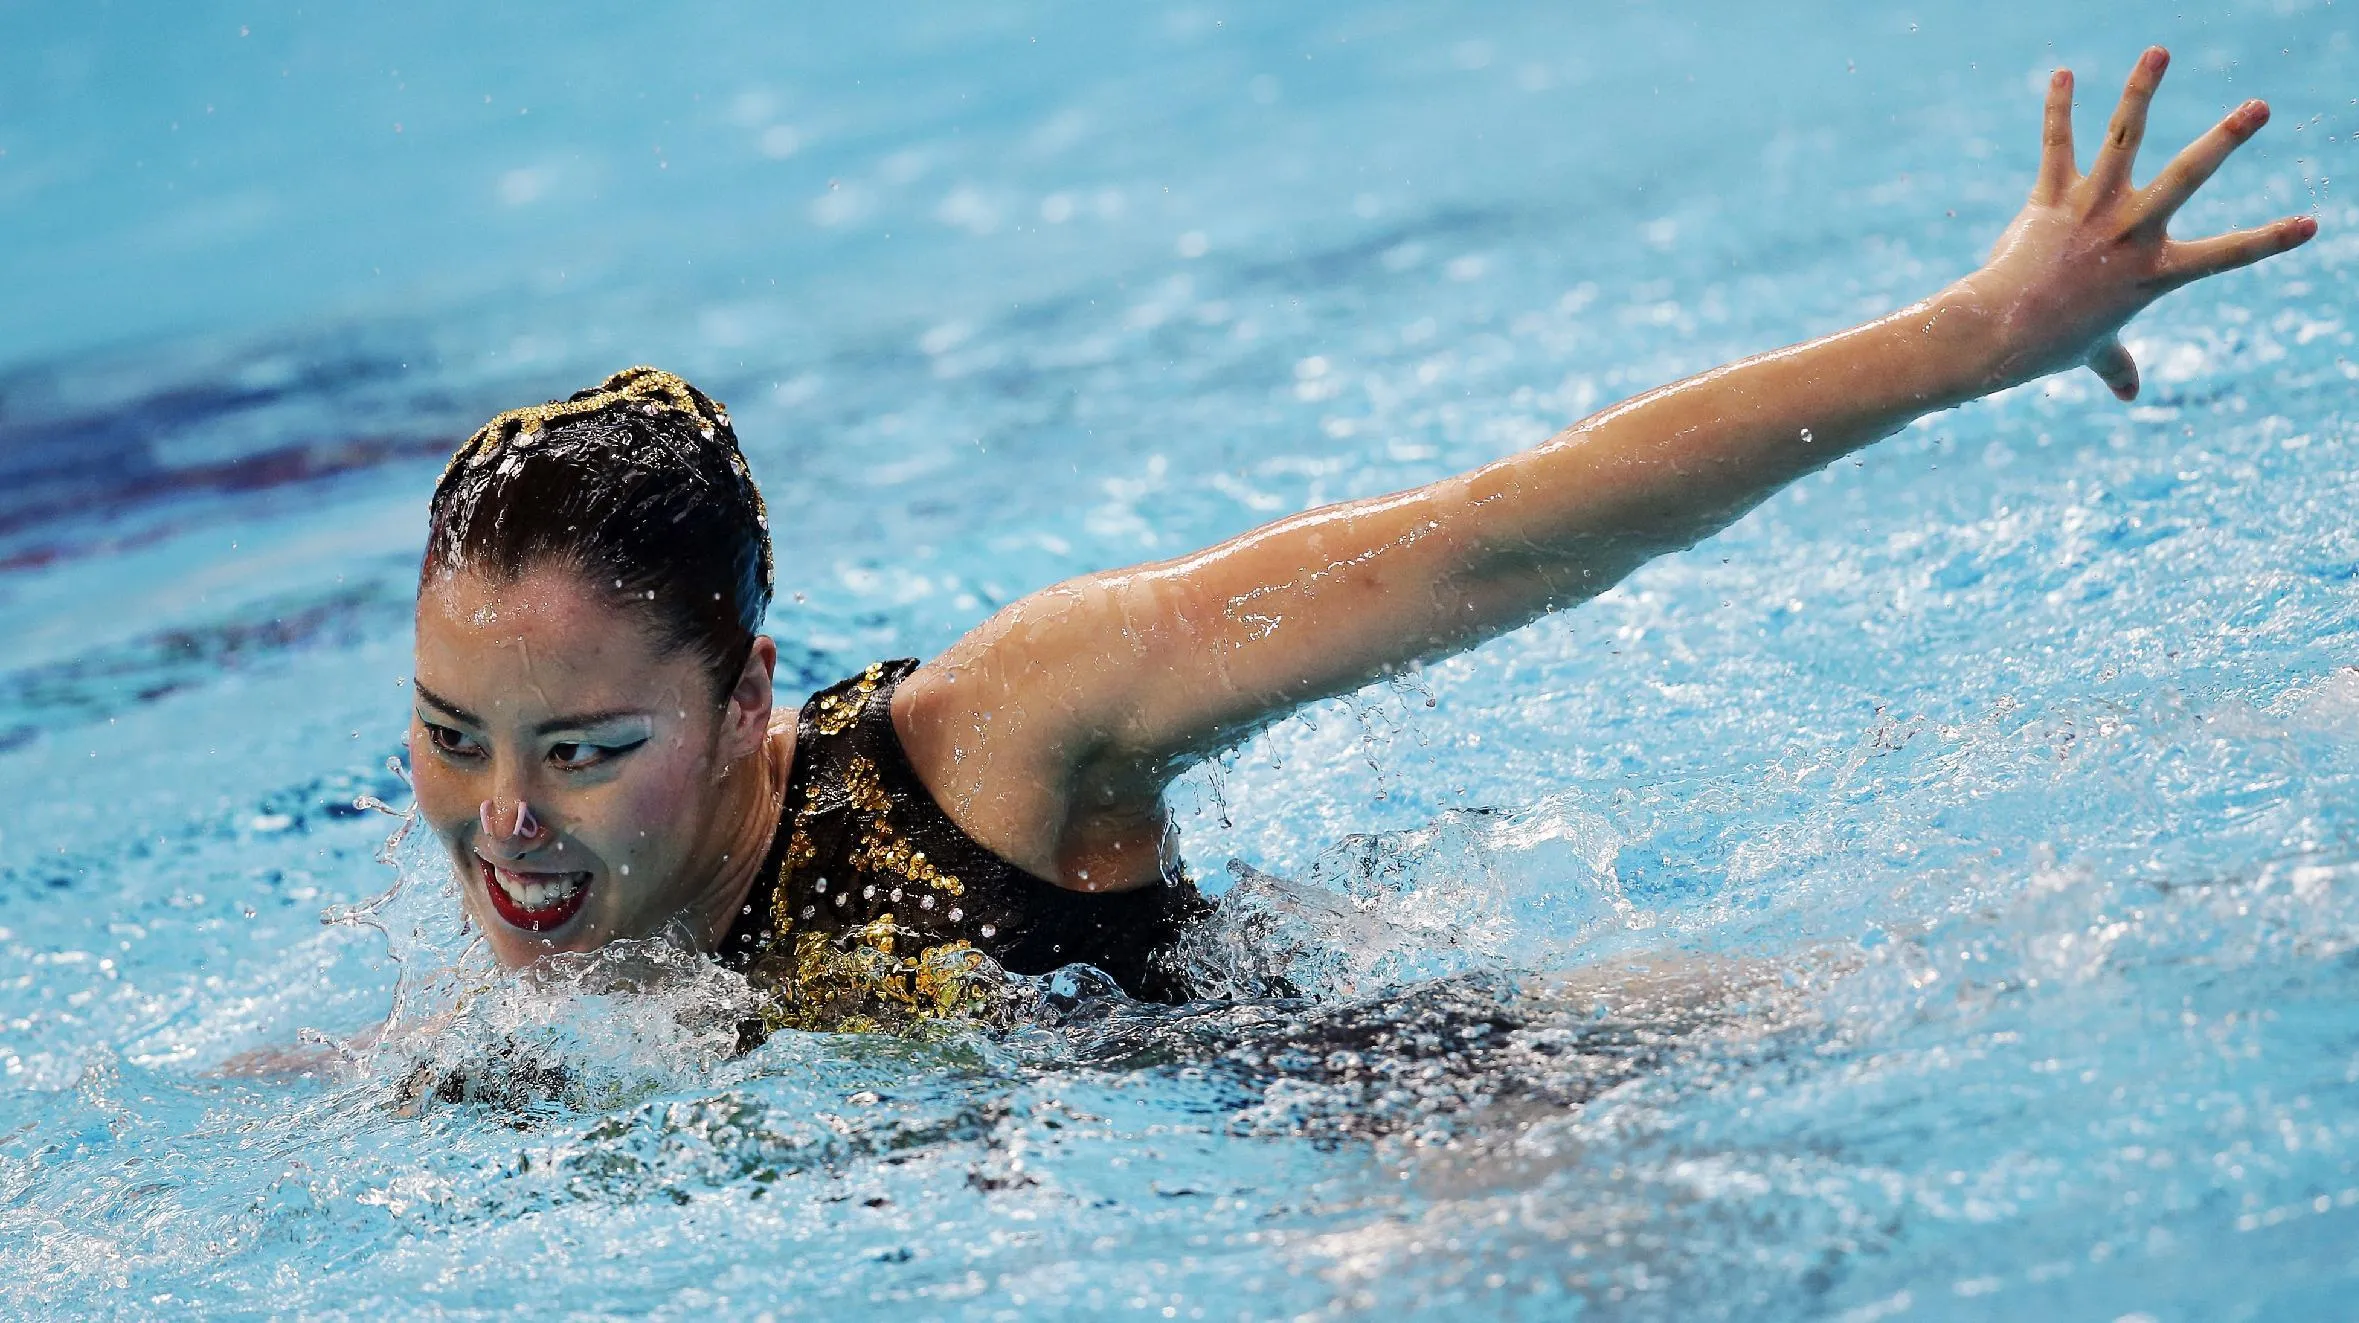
[638, 486]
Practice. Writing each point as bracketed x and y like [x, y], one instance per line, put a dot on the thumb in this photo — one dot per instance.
[2115, 367]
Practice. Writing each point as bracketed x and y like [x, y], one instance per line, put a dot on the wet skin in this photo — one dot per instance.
[1050, 731]
[647, 800]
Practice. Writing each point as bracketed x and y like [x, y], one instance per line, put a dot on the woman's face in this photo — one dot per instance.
[572, 768]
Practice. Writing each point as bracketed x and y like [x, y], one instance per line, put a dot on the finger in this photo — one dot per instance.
[2058, 170]
[2209, 257]
[2191, 167]
[2116, 368]
[2110, 172]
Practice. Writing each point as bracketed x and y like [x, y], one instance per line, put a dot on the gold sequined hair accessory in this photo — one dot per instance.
[651, 391]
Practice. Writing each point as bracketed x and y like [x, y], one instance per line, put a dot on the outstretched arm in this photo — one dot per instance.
[1050, 731]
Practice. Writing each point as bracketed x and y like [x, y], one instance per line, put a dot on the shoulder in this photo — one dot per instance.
[989, 772]
[1008, 766]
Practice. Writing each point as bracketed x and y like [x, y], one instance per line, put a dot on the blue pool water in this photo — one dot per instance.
[1935, 897]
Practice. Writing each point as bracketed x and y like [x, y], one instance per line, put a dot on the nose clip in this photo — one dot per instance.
[525, 826]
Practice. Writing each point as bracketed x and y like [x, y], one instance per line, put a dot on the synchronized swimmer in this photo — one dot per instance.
[596, 739]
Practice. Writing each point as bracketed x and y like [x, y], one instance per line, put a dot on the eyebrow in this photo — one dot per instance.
[419, 687]
[573, 721]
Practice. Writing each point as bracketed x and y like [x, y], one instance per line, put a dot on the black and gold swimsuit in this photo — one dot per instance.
[875, 909]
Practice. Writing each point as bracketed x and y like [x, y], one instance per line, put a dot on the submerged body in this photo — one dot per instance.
[595, 733]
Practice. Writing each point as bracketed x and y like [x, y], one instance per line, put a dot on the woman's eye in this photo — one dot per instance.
[447, 740]
[574, 757]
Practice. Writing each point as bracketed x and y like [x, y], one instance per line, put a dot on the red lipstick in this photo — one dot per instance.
[535, 902]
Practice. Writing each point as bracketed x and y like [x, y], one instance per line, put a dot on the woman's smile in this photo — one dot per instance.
[534, 900]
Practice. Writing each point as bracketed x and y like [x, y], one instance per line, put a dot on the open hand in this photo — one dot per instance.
[2089, 251]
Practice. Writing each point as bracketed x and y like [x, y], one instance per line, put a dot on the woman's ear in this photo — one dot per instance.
[746, 721]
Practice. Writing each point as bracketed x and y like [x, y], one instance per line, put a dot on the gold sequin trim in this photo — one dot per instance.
[799, 851]
[857, 981]
[881, 849]
[857, 984]
[837, 712]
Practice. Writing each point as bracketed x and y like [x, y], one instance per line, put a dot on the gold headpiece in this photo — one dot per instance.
[652, 390]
